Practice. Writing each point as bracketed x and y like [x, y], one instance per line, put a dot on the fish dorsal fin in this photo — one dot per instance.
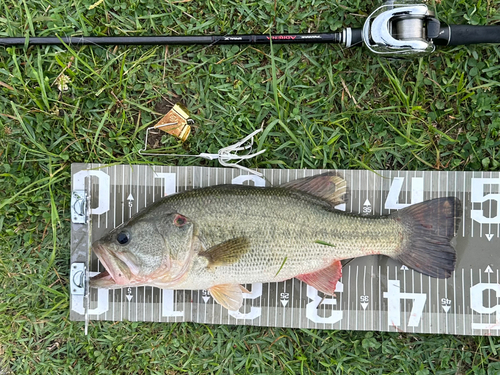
[229, 296]
[325, 280]
[329, 186]
[227, 252]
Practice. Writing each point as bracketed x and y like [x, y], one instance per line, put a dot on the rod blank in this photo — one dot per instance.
[177, 40]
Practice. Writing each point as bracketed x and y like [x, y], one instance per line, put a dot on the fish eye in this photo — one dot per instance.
[123, 237]
[179, 220]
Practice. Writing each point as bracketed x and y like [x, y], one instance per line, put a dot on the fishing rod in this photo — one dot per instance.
[392, 29]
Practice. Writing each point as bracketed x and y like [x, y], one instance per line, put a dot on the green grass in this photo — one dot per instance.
[321, 107]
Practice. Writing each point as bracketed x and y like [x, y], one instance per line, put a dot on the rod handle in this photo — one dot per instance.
[457, 35]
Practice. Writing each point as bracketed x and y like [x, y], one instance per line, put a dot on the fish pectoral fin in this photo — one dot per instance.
[227, 252]
[229, 296]
[324, 280]
[329, 186]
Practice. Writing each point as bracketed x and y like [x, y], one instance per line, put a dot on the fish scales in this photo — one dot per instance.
[283, 227]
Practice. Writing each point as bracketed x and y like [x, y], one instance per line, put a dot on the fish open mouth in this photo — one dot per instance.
[116, 273]
[102, 276]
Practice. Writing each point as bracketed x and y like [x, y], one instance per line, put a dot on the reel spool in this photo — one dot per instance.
[401, 29]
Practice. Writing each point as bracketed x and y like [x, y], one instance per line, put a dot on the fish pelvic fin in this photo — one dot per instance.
[329, 186]
[428, 228]
[229, 296]
[227, 252]
[324, 280]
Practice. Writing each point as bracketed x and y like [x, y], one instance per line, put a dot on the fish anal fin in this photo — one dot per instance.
[329, 186]
[229, 296]
[325, 280]
[227, 252]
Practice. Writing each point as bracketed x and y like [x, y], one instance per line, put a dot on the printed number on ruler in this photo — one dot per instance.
[477, 304]
[417, 193]
[169, 304]
[478, 195]
[312, 307]
[394, 297]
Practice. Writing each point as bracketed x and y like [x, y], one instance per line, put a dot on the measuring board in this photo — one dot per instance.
[374, 293]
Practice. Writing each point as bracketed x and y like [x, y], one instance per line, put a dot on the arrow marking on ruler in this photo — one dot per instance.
[205, 295]
[284, 302]
[129, 297]
[489, 236]
[446, 308]
[364, 305]
[488, 270]
[404, 268]
[130, 199]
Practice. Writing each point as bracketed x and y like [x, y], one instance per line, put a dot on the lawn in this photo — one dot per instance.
[320, 106]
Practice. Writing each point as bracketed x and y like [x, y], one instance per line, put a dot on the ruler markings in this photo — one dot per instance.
[357, 295]
[114, 226]
[371, 297]
[472, 220]
[352, 192]
[288, 305]
[217, 183]
[489, 297]
[481, 225]
[455, 312]
[438, 315]
[106, 226]
[292, 302]
[144, 303]
[276, 309]
[261, 305]
[463, 297]
[349, 297]
[463, 207]
[153, 180]
[359, 196]
[396, 268]
[364, 293]
[498, 213]
[472, 283]
[268, 303]
[413, 291]
[300, 303]
[430, 307]
[455, 272]
[381, 194]
[421, 291]
[269, 284]
[389, 324]
[138, 189]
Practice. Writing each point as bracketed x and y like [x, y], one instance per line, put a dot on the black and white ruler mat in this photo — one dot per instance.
[374, 293]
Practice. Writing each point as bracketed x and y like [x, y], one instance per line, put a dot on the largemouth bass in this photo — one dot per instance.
[220, 237]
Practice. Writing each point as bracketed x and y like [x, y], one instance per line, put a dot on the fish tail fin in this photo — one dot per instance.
[428, 228]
